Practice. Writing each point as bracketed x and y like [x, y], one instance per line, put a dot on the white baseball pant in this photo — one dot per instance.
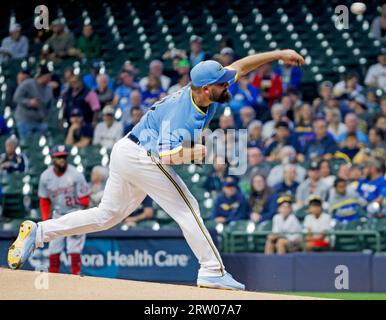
[133, 175]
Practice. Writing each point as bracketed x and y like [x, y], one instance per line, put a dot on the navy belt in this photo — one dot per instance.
[133, 138]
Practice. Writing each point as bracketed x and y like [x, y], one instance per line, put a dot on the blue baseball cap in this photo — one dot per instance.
[59, 151]
[211, 72]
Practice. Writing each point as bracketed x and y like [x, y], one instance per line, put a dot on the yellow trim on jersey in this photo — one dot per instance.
[196, 106]
[343, 203]
[170, 152]
[179, 190]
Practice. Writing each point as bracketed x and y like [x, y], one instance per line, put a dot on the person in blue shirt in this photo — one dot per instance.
[323, 145]
[141, 163]
[291, 77]
[231, 204]
[244, 94]
[352, 123]
[283, 137]
[373, 186]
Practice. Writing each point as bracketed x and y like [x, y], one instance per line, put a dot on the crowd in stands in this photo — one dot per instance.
[325, 156]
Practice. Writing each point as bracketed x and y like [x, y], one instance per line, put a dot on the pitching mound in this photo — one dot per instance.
[32, 285]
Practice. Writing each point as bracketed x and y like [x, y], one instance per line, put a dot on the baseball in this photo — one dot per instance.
[358, 8]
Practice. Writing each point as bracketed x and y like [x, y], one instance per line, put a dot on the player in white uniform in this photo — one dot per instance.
[140, 165]
[63, 189]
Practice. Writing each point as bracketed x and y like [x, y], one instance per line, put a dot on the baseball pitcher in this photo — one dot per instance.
[141, 164]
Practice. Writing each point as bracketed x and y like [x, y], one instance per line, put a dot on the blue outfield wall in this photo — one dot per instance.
[164, 256]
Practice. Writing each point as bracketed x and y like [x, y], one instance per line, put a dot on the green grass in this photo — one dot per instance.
[343, 295]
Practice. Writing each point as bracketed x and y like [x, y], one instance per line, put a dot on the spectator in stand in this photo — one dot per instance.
[377, 138]
[287, 155]
[244, 94]
[247, 115]
[325, 173]
[67, 75]
[11, 161]
[213, 181]
[376, 75]
[349, 87]
[358, 106]
[351, 148]
[90, 78]
[4, 130]
[289, 184]
[343, 202]
[277, 114]
[183, 69]
[322, 146]
[144, 212]
[104, 93]
[295, 103]
[313, 185]
[372, 101]
[79, 97]
[61, 44]
[89, 44]
[283, 137]
[317, 224]
[334, 122]
[33, 99]
[156, 69]
[231, 204]
[351, 121]
[269, 83]
[98, 179]
[122, 94]
[79, 133]
[303, 124]
[109, 131]
[196, 53]
[15, 46]
[325, 94]
[256, 165]
[378, 26]
[285, 225]
[255, 130]
[227, 56]
[380, 122]
[153, 91]
[372, 186]
[136, 114]
[261, 200]
[291, 76]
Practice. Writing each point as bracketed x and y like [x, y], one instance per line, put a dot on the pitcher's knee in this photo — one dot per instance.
[108, 218]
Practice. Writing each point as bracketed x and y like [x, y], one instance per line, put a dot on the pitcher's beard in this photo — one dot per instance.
[225, 96]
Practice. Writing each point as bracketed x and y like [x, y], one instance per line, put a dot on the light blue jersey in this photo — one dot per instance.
[171, 121]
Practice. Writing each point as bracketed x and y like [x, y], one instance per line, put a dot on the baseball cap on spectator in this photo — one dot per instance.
[284, 199]
[211, 72]
[108, 111]
[227, 50]
[76, 112]
[229, 181]
[282, 124]
[14, 27]
[59, 151]
[42, 70]
[382, 51]
[195, 38]
[315, 200]
[58, 22]
[314, 165]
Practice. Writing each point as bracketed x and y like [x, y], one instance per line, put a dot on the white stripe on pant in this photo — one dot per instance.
[133, 174]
